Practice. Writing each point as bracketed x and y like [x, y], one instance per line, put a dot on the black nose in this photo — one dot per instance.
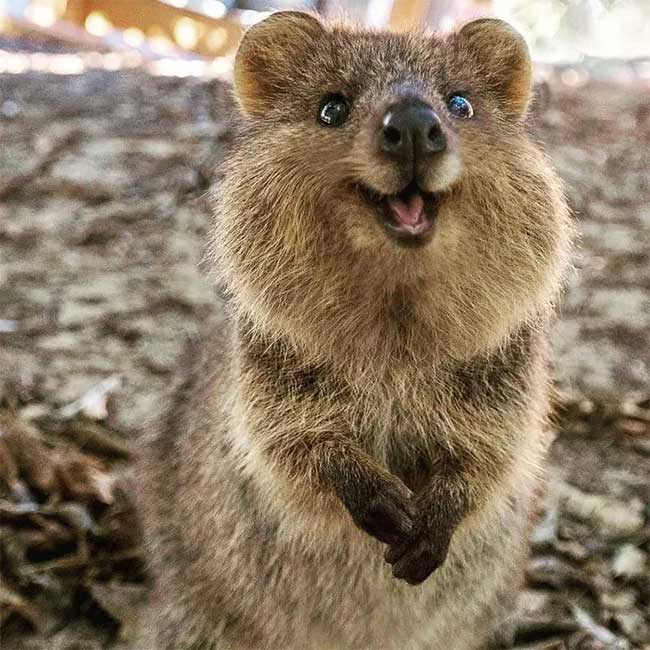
[411, 132]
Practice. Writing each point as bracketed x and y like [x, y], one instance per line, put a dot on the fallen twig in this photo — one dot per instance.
[80, 562]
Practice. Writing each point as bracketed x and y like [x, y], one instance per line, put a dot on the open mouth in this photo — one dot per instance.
[409, 215]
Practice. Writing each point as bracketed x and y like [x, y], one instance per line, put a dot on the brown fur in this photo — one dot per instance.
[360, 381]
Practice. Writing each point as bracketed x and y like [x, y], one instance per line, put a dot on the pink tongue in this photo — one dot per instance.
[408, 214]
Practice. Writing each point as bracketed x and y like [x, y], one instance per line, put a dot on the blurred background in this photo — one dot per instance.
[115, 116]
[187, 34]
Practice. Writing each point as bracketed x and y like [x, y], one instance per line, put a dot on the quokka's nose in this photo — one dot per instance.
[411, 132]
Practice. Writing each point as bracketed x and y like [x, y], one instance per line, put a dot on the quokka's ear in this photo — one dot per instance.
[502, 55]
[267, 55]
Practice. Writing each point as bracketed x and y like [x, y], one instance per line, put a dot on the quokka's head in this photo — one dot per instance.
[391, 173]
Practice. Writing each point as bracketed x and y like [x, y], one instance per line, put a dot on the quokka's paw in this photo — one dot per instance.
[415, 559]
[382, 506]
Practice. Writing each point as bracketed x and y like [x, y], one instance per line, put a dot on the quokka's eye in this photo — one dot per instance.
[334, 110]
[460, 107]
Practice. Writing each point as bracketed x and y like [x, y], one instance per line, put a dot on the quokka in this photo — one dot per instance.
[353, 461]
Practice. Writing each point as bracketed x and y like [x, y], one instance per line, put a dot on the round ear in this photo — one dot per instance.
[268, 53]
[502, 55]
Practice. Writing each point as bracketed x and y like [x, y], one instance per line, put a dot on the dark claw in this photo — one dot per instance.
[419, 563]
[415, 559]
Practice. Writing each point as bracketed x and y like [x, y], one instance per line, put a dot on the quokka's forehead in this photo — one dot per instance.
[367, 57]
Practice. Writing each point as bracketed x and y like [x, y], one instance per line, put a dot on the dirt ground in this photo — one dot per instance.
[103, 217]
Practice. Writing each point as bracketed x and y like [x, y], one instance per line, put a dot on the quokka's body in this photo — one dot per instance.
[353, 460]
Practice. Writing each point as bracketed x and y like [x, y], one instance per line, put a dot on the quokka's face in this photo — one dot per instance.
[381, 129]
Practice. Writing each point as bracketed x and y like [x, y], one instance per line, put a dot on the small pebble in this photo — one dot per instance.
[532, 601]
[630, 562]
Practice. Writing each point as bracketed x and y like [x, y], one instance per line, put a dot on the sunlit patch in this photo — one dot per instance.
[42, 13]
[214, 8]
[187, 33]
[133, 36]
[159, 41]
[97, 24]
[217, 39]
[71, 64]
